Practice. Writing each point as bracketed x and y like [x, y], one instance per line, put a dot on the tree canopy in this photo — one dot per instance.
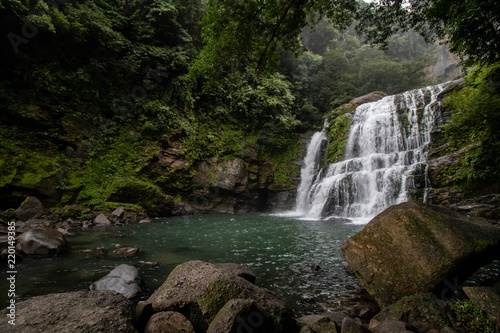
[471, 28]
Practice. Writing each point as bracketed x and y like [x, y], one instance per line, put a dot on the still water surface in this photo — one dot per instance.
[279, 249]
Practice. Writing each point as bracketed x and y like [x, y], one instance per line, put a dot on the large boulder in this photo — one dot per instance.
[43, 241]
[421, 312]
[199, 290]
[416, 248]
[76, 312]
[242, 315]
[31, 208]
[124, 279]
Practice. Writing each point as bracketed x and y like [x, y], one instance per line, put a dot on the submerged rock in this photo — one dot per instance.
[413, 248]
[43, 241]
[76, 312]
[124, 279]
[125, 251]
[199, 290]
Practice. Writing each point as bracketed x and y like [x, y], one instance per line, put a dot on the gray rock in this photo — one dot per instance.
[238, 270]
[168, 322]
[318, 323]
[118, 212]
[421, 311]
[31, 208]
[76, 312]
[349, 325]
[242, 315]
[390, 326]
[306, 329]
[199, 290]
[412, 248]
[43, 241]
[124, 279]
[102, 220]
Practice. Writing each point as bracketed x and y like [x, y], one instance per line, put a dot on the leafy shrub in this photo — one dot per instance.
[472, 317]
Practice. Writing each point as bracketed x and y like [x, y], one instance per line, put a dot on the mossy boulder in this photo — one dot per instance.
[141, 193]
[415, 248]
[242, 315]
[199, 290]
[422, 312]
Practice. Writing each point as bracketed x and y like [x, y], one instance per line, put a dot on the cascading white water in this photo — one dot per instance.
[309, 171]
[385, 152]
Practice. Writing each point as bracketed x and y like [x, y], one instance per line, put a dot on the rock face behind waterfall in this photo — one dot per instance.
[412, 248]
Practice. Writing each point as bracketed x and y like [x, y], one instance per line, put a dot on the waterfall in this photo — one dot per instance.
[310, 171]
[385, 159]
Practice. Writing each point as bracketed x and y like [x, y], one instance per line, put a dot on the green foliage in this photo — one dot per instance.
[206, 140]
[348, 69]
[25, 166]
[117, 163]
[338, 133]
[472, 317]
[284, 168]
[240, 33]
[475, 124]
[470, 28]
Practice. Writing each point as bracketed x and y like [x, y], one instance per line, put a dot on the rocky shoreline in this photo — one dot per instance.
[406, 258]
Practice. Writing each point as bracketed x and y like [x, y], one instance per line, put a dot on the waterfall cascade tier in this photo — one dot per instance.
[385, 158]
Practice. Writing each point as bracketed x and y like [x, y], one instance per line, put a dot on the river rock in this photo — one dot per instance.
[118, 212]
[242, 315]
[317, 323]
[102, 220]
[31, 208]
[124, 279]
[43, 241]
[349, 325]
[125, 251]
[423, 312]
[199, 290]
[168, 322]
[76, 312]
[389, 326]
[416, 248]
